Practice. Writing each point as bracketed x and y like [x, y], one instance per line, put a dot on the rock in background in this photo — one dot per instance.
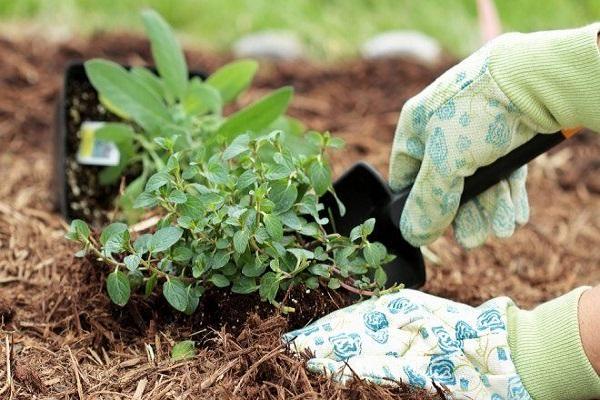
[407, 44]
[271, 44]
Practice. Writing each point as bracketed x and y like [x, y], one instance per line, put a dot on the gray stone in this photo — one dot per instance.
[407, 44]
[281, 45]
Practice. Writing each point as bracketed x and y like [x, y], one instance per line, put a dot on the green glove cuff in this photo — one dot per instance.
[553, 77]
[547, 351]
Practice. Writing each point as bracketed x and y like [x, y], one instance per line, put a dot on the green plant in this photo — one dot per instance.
[248, 218]
[237, 198]
[170, 105]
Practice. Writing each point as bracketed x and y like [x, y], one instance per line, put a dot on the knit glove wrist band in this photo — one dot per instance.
[547, 351]
[553, 77]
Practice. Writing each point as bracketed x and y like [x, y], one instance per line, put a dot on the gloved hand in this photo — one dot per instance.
[479, 110]
[417, 338]
[492, 352]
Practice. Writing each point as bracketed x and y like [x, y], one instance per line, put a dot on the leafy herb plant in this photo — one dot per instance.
[235, 200]
[249, 218]
[170, 105]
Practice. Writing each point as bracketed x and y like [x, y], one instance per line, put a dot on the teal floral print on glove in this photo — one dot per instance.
[459, 123]
[419, 339]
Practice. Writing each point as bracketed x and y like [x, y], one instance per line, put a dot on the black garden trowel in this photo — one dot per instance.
[366, 194]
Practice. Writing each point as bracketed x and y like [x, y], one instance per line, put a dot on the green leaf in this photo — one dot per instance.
[201, 99]
[283, 195]
[246, 179]
[240, 240]
[177, 197]
[320, 270]
[219, 259]
[257, 115]
[176, 293]
[78, 231]
[115, 238]
[320, 178]
[380, 277]
[368, 226]
[336, 143]
[141, 243]
[115, 132]
[127, 199]
[114, 84]
[194, 295]
[183, 350]
[150, 284]
[132, 262]
[219, 280]
[244, 285]
[157, 181]
[312, 282]
[277, 172]
[374, 253]
[254, 268]
[147, 78]
[164, 238]
[118, 288]
[112, 229]
[356, 233]
[291, 220]
[333, 283]
[167, 53]
[145, 200]
[237, 147]
[233, 78]
[269, 286]
[182, 254]
[274, 226]
[302, 254]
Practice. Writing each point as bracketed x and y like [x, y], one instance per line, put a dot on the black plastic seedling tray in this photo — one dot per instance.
[77, 189]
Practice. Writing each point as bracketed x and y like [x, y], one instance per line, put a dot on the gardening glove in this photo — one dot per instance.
[494, 351]
[479, 110]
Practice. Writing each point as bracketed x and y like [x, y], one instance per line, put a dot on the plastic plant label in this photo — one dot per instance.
[94, 151]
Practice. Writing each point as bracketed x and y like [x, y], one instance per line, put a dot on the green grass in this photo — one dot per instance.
[330, 28]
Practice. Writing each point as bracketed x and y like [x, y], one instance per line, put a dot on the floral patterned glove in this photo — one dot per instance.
[459, 123]
[481, 109]
[419, 339]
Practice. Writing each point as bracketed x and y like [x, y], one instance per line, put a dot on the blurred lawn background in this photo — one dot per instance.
[330, 28]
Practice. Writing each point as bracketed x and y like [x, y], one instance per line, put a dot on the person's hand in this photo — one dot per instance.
[419, 339]
[481, 109]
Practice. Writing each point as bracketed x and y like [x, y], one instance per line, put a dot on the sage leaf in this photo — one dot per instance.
[258, 115]
[167, 53]
[115, 85]
[233, 78]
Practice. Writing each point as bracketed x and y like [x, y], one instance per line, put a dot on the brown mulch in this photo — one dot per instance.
[61, 338]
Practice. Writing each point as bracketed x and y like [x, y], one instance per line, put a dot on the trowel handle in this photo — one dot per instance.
[489, 175]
